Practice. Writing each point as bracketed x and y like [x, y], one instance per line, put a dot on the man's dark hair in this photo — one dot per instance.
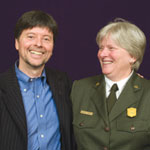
[35, 18]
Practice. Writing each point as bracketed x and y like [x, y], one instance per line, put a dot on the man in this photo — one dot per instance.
[111, 111]
[35, 110]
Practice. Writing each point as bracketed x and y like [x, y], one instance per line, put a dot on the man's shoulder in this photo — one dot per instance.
[58, 77]
[55, 75]
[7, 78]
[54, 71]
[8, 73]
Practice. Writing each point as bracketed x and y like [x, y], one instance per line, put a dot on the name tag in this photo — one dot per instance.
[86, 112]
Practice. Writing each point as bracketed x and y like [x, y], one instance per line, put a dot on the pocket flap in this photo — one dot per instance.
[84, 121]
[132, 125]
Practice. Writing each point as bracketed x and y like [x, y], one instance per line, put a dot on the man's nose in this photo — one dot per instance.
[38, 42]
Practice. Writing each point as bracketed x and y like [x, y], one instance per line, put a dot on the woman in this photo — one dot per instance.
[118, 120]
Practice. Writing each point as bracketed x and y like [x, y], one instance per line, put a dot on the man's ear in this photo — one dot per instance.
[16, 44]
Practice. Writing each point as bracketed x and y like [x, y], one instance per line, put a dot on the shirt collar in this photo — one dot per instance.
[25, 78]
[120, 83]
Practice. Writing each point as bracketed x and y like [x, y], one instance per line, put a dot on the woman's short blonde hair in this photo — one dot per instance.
[127, 36]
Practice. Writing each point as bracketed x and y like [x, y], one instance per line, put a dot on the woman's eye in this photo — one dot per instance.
[111, 48]
[101, 48]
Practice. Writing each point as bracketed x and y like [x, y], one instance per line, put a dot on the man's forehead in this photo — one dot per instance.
[37, 29]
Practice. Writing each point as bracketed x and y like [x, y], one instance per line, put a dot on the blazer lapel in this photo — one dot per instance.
[60, 87]
[99, 99]
[54, 81]
[13, 100]
[130, 95]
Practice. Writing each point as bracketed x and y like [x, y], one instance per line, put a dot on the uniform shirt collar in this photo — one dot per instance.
[121, 84]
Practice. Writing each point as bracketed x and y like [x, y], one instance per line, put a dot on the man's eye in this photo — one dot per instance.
[46, 39]
[30, 36]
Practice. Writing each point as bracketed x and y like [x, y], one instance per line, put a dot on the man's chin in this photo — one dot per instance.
[35, 65]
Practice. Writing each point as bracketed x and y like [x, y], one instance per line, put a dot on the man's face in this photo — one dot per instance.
[35, 47]
[115, 61]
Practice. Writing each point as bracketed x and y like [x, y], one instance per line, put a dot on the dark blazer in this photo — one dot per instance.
[128, 125]
[13, 125]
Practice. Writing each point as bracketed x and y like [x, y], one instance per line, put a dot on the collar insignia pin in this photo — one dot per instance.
[97, 84]
[136, 86]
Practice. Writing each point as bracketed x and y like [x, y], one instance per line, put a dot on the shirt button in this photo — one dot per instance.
[42, 135]
[37, 96]
[107, 129]
[24, 90]
[41, 116]
[30, 79]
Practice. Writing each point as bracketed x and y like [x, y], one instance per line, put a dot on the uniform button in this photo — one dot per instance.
[81, 124]
[132, 128]
[107, 129]
[105, 148]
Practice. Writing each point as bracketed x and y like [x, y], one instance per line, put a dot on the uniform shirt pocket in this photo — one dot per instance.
[132, 126]
[85, 121]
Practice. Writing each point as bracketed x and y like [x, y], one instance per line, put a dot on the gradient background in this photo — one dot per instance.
[79, 21]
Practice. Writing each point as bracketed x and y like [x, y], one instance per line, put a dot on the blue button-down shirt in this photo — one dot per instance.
[41, 113]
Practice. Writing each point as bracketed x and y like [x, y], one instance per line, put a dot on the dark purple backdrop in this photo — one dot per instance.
[79, 21]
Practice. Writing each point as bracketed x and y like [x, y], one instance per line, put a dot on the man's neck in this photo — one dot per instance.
[32, 72]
